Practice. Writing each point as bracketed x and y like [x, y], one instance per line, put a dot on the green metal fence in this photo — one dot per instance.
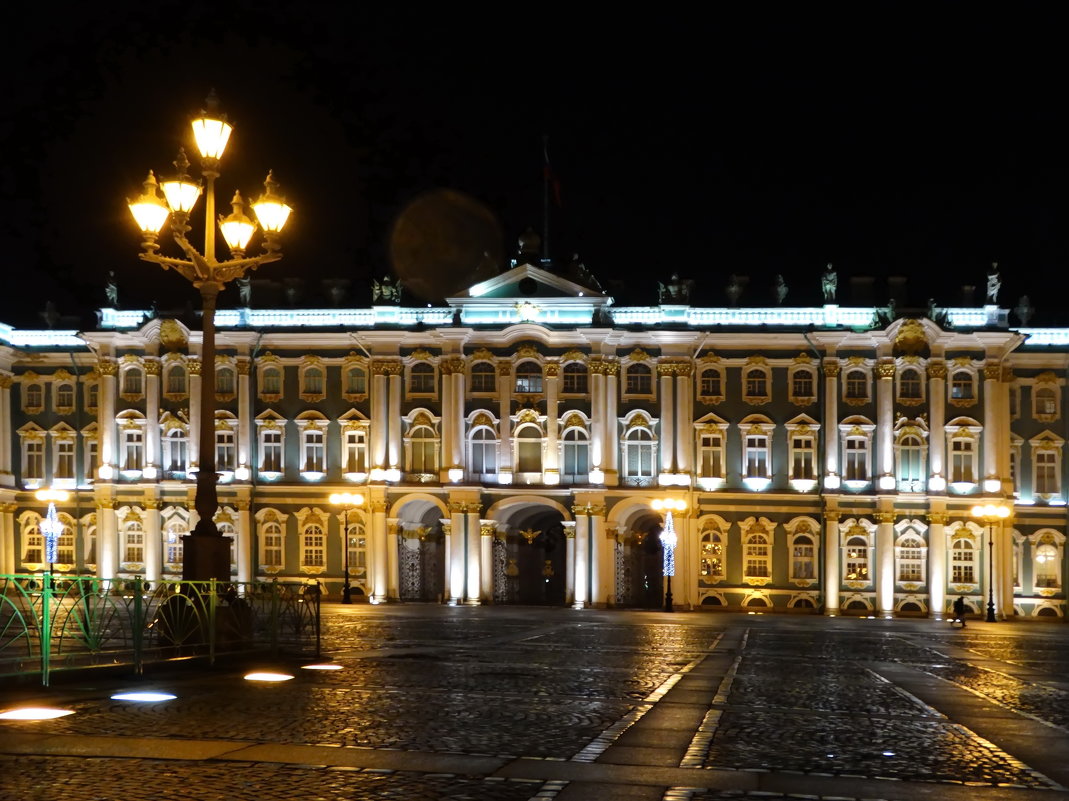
[52, 623]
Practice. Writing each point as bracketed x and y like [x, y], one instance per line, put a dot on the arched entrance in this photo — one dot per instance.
[420, 551]
[530, 556]
[640, 563]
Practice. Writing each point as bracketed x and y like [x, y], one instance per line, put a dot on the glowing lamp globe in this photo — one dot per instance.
[270, 209]
[237, 228]
[149, 209]
[211, 134]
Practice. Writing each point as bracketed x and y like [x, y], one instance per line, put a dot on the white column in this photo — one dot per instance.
[448, 421]
[612, 433]
[457, 562]
[581, 586]
[152, 415]
[7, 476]
[393, 567]
[379, 414]
[193, 445]
[379, 563]
[1004, 569]
[473, 536]
[109, 454]
[685, 581]
[937, 564]
[569, 564]
[8, 559]
[244, 424]
[459, 395]
[831, 432]
[245, 547]
[832, 578]
[153, 540]
[107, 542]
[937, 395]
[668, 413]
[684, 419]
[551, 462]
[394, 444]
[885, 562]
[447, 558]
[504, 394]
[992, 418]
[486, 561]
[597, 415]
[602, 567]
[885, 422]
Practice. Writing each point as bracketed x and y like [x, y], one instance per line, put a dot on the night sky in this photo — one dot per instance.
[891, 139]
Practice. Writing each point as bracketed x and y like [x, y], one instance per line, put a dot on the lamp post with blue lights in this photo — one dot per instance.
[669, 539]
[206, 551]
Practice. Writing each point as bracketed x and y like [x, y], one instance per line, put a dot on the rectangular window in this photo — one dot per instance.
[1047, 473]
[484, 379]
[355, 382]
[711, 384]
[92, 458]
[135, 546]
[910, 564]
[314, 461]
[225, 450]
[312, 552]
[355, 452]
[961, 461]
[711, 455]
[856, 467]
[35, 460]
[133, 449]
[757, 457]
[803, 559]
[802, 384]
[273, 546]
[803, 462]
[65, 396]
[64, 467]
[271, 449]
[962, 570]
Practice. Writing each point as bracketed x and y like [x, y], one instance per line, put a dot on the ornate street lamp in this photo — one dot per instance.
[206, 551]
[348, 500]
[991, 514]
[669, 539]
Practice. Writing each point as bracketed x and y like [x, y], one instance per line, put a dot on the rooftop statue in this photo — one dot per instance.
[994, 283]
[387, 291]
[675, 291]
[111, 289]
[829, 282]
[780, 290]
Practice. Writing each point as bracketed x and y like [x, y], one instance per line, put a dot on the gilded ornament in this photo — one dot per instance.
[107, 367]
[6, 381]
[937, 370]
[152, 367]
[803, 358]
[938, 518]
[886, 370]
[831, 369]
[193, 365]
[552, 369]
[504, 369]
[243, 365]
[529, 535]
[885, 517]
[421, 355]
[482, 354]
[638, 355]
[527, 351]
[573, 356]
[911, 338]
[172, 336]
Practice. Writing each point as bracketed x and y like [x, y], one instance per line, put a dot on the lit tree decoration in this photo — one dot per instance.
[669, 540]
[50, 526]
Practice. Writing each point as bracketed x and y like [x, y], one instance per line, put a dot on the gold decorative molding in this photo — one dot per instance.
[884, 517]
[107, 367]
[529, 534]
[911, 337]
[551, 369]
[504, 369]
[885, 370]
[573, 355]
[421, 355]
[193, 365]
[803, 358]
[6, 381]
[937, 370]
[638, 355]
[938, 518]
[833, 515]
[527, 351]
[831, 369]
[152, 367]
[487, 529]
[244, 365]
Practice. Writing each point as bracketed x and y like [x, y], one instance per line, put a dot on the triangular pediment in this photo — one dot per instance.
[527, 282]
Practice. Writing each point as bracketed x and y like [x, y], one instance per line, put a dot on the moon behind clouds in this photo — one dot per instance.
[443, 242]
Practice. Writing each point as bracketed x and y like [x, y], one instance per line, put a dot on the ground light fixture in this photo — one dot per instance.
[330, 666]
[144, 697]
[34, 713]
[267, 676]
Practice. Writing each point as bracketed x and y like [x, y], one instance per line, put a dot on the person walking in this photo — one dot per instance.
[959, 610]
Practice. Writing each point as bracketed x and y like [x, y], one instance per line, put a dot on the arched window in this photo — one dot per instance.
[638, 453]
[910, 558]
[173, 533]
[856, 559]
[133, 381]
[176, 380]
[175, 451]
[757, 552]
[356, 542]
[911, 462]
[421, 379]
[483, 377]
[638, 380]
[312, 381]
[226, 528]
[224, 381]
[313, 547]
[857, 385]
[529, 449]
[92, 397]
[1045, 402]
[33, 545]
[271, 539]
[64, 396]
[712, 555]
[65, 546]
[528, 377]
[910, 387]
[1046, 566]
[961, 385]
[134, 542]
[575, 379]
[802, 384]
[422, 450]
[271, 383]
[711, 383]
[755, 385]
[803, 557]
[963, 561]
[355, 381]
[576, 452]
[35, 397]
[483, 451]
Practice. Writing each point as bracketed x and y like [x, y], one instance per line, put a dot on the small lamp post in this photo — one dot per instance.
[991, 514]
[207, 552]
[669, 539]
[347, 500]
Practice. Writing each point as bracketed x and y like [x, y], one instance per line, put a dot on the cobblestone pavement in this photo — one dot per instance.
[507, 703]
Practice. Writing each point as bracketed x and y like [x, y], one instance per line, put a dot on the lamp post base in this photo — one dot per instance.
[346, 593]
[991, 612]
[668, 597]
[205, 557]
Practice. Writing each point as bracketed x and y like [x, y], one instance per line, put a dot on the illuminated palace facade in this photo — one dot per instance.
[510, 447]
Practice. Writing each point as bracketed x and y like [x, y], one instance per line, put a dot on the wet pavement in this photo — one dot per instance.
[437, 702]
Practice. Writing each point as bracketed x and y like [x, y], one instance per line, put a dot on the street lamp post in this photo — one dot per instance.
[991, 514]
[348, 500]
[50, 527]
[669, 539]
[206, 551]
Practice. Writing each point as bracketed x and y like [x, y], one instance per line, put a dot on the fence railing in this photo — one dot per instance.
[52, 623]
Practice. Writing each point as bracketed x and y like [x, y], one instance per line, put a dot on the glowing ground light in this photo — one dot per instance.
[888, 753]
[321, 667]
[145, 697]
[34, 713]
[267, 677]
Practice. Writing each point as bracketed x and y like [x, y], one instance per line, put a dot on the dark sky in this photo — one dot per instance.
[923, 140]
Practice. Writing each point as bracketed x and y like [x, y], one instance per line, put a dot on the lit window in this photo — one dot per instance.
[271, 450]
[133, 449]
[856, 559]
[803, 557]
[756, 456]
[422, 450]
[712, 555]
[1046, 467]
[271, 537]
[64, 465]
[134, 548]
[961, 385]
[355, 450]
[528, 377]
[175, 445]
[758, 556]
[225, 449]
[803, 456]
[638, 453]
[314, 451]
[963, 562]
[529, 449]
[856, 459]
[962, 461]
[711, 454]
[910, 552]
[910, 454]
[1046, 402]
[313, 549]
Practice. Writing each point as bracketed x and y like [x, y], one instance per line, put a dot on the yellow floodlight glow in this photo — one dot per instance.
[211, 135]
[321, 667]
[270, 209]
[149, 209]
[34, 713]
[57, 496]
[237, 228]
[267, 676]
